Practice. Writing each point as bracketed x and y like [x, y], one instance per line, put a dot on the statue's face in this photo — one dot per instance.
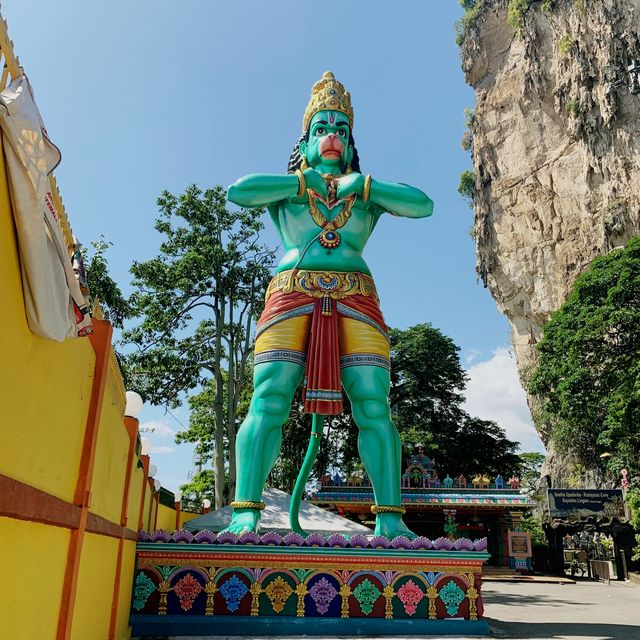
[328, 142]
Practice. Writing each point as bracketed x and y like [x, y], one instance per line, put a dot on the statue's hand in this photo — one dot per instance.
[316, 182]
[349, 185]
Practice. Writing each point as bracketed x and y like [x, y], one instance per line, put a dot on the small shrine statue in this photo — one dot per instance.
[462, 482]
[499, 482]
[450, 526]
[624, 483]
[322, 320]
[514, 482]
[448, 482]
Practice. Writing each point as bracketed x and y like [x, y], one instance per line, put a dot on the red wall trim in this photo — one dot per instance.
[24, 502]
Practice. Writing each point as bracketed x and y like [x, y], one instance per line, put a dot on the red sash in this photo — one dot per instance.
[323, 389]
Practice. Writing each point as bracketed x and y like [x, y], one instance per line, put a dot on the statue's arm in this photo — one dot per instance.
[260, 189]
[401, 199]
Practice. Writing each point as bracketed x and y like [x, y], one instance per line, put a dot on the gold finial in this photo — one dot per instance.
[328, 94]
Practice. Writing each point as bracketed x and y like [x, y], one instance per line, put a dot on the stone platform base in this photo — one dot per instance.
[276, 589]
[297, 627]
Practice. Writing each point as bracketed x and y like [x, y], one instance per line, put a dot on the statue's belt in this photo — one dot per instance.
[323, 284]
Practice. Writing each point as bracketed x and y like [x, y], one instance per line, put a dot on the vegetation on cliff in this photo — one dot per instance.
[588, 372]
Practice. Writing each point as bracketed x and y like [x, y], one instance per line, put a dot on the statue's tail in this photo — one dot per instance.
[317, 423]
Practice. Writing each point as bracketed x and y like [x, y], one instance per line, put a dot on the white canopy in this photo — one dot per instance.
[275, 517]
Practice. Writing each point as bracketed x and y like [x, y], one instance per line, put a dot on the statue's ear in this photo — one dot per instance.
[350, 154]
[303, 148]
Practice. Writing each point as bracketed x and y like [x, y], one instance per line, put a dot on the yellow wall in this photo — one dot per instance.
[46, 388]
[166, 518]
[32, 560]
[91, 615]
[123, 630]
[185, 516]
[111, 454]
[45, 385]
[135, 495]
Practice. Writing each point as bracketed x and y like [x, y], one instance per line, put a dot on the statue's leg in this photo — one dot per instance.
[378, 441]
[260, 436]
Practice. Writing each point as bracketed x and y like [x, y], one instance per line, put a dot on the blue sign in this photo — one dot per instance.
[582, 503]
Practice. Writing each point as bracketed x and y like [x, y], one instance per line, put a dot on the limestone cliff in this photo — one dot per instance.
[556, 159]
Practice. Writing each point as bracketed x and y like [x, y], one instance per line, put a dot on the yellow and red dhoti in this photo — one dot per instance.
[324, 321]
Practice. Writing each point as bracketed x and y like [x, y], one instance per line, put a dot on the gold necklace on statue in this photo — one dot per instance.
[329, 238]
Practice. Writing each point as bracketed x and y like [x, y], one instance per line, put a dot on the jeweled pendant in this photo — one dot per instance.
[329, 239]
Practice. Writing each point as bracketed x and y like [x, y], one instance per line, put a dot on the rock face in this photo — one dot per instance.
[556, 157]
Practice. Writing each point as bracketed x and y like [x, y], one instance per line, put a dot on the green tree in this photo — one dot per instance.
[199, 488]
[588, 371]
[102, 286]
[198, 300]
[426, 399]
[467, 185]
[531, 464]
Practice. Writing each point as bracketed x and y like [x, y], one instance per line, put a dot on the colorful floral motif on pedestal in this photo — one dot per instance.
[187, 589]
[278, 593]
[143, 588]
[410, 595]
[366, 593]
[452, 596]
[233, 590]
[323, 593]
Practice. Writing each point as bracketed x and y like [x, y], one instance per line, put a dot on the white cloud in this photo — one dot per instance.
[158, 428]
[162, 449]
[494, 393]
[470, 356]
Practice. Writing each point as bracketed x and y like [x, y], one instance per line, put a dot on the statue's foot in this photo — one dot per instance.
[390, 525]
[244, 520]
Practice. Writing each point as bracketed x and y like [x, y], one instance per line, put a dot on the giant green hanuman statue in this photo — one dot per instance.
[322, 320]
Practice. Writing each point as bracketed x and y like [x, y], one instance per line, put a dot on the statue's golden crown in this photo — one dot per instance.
[328, 95]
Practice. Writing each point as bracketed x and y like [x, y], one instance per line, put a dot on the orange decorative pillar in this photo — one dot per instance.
[101, 343]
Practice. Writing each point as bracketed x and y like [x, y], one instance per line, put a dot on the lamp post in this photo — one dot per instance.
[134, 404]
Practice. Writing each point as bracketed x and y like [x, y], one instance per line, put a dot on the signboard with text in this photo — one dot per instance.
[582, 503]
[519, 544]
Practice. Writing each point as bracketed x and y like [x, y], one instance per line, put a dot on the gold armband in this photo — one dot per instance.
[248, 504]
[366, 190]
[302, 184]
[387, 508]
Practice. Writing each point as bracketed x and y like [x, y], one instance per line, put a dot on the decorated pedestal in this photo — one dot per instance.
[269, 585]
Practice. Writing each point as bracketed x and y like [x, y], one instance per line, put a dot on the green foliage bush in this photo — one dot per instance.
[467, 185]
[565, 44]
[633, 501]
[573, 108]
[515, 13]
[588, 372]
[471, 8]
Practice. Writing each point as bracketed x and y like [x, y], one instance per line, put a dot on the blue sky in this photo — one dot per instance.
[150, 95]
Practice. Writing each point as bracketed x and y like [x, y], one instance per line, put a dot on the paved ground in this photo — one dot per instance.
[580, 611]
[525, 610]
